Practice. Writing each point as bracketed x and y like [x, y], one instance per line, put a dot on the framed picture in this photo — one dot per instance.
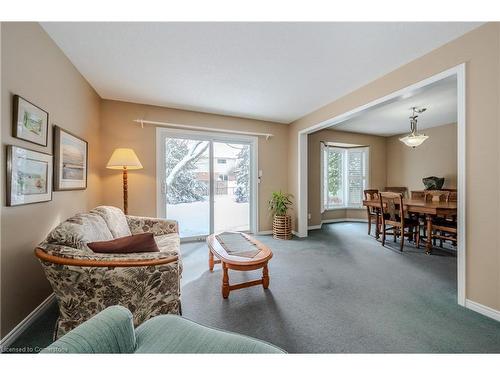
[70, 161]
[29, 176]
[30, 122]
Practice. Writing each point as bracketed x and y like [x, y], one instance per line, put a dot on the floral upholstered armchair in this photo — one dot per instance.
[85, 283]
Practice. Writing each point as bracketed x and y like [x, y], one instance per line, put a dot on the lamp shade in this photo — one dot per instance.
[124, 158]
[414, 140]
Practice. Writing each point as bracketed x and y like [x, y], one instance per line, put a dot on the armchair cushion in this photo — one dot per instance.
[79, 230]
[115, 220]
[174, 334]
[110, 331]
[169, 243]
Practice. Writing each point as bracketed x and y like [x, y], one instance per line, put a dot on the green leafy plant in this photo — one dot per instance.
[280, 203]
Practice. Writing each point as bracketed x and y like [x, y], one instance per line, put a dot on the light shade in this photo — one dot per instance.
[124, 158]
[414, 140]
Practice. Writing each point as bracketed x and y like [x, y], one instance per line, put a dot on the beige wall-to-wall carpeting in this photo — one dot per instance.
[480, 51]
[437, 156]
[119, 130]
[35, 68]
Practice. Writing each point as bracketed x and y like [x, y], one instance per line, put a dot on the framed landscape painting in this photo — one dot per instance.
[70, 161]
[30, 122]
[29, 176]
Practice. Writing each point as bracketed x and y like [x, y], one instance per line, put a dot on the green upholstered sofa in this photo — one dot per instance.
[112, 331]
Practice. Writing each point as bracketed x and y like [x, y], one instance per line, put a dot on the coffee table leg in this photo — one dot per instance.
[265, 277]
[225, 281]
[210, 260]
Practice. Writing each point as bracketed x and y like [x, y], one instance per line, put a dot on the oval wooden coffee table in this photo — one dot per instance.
[238, 263]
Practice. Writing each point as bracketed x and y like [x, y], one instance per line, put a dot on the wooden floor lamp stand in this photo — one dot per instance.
[125, 190]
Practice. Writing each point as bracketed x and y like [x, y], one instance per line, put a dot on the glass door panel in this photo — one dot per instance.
[186, 185]
[231, 181]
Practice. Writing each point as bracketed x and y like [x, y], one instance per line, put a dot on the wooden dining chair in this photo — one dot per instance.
[418, 195]
[443, 228]
[436, 196]
[372, 212]
[398, 189]
[453, 194]
[393, 213]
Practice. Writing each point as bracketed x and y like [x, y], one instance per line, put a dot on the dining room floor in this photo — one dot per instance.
[336, 291]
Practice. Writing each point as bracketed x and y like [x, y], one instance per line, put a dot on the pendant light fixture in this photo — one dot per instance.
[414, 139]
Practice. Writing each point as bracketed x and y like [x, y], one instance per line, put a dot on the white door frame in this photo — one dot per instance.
[161, 132]
[459, 72]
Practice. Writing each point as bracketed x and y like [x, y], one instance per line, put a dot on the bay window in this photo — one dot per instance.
[344, 176]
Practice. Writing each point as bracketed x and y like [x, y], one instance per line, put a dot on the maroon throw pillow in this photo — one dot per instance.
[138, 243]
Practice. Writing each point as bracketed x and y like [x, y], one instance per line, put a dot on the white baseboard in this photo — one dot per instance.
[264, 232]
[312, 227]
[329, 221]
[296, 234]
[25, 323]
[482, 309]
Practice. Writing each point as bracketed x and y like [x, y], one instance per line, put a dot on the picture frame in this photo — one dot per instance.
[29, 176]
[30, 122]
[70, 161]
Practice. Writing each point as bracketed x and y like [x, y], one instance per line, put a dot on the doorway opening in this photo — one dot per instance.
[458, 73]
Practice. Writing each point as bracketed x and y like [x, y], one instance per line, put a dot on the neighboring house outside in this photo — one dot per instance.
[224, 170]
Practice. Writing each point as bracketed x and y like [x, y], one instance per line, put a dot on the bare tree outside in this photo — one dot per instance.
[180, 160]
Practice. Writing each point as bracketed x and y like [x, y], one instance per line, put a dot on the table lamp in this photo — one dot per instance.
[124, 159]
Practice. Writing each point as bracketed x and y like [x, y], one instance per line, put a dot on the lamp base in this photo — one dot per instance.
[125, 190]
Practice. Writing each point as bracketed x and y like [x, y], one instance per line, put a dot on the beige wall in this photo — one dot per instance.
[118, 130]
[35, 68]
[377, 177]
[437, 156]
[479, 49]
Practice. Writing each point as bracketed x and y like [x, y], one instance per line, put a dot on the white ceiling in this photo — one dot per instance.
[271, 71]
[440, 99]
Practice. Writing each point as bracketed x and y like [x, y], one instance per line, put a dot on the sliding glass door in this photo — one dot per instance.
[232, 186]
[186, 184]
[206, 182]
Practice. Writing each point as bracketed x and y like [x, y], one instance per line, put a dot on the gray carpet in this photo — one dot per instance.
[339, 290]
[336, 291]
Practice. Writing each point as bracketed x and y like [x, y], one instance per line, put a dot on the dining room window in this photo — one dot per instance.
[345, 176]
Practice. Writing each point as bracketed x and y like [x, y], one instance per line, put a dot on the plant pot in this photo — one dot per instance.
[282, 227]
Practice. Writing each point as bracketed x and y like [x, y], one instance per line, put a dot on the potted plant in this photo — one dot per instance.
[282, 223]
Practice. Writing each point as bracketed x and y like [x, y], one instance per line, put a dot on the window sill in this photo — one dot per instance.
[345, 208]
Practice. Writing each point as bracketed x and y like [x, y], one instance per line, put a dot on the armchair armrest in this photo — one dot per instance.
[110, 331]
[65, 255]
[140, 224]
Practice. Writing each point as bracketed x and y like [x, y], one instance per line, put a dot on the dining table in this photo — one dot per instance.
[425, 208]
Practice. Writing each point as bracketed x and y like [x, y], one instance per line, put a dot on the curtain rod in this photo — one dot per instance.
[326, 144]
[194, 127]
